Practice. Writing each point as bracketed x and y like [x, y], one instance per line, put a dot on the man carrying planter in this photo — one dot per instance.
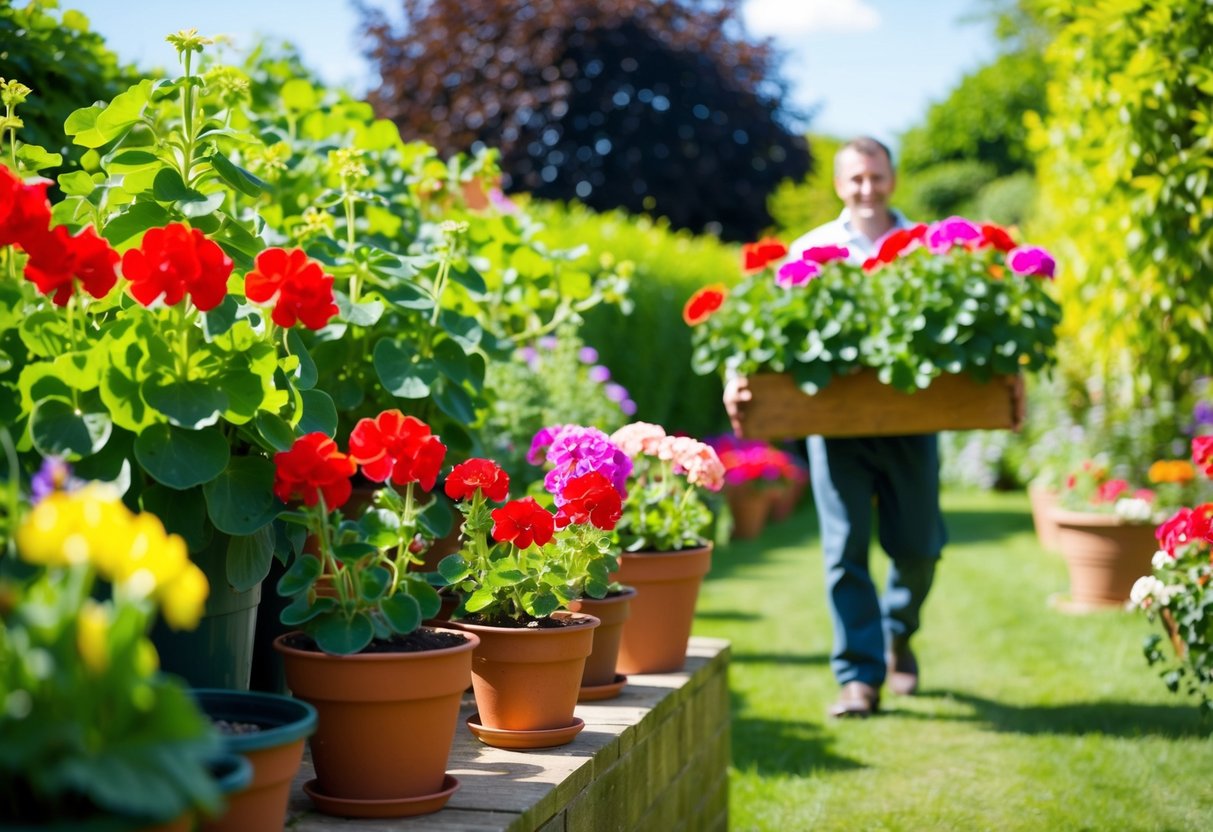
[901, 473]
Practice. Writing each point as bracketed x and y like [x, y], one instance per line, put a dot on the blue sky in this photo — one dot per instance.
[870, 66]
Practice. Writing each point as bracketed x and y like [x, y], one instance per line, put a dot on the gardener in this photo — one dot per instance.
[871, 634]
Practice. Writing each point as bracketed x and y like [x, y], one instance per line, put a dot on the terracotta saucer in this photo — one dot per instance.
[504, 738]
[594, 693]
[392, 808]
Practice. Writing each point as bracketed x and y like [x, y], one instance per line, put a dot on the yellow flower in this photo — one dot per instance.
[182, 600]
[92, 637]
[66, 527]
[147, 557]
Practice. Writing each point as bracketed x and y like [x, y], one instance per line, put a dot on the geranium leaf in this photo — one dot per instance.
[236, 176]
[373, 583]
[181, 458]
[337, 635]
[136, 219]
[458, 365]
[425, 596]
[249, 557]
[274, 430]
[455, 402]
[400, 371]
[300, 575]
[241, 499]
[402, 612]
[300, 611]
[60, 429]
[186, 404]
[305, 375]
[319, 413]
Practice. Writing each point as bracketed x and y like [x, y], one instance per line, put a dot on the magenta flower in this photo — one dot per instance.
[943, 235]
[797, 273]
[599, 374]
[577, 450]
[541, 442]
[628, 407]
[1031, 260]
[825, 254]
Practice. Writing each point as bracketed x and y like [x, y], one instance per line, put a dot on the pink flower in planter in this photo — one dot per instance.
[797, 273]
[1031, 260]
[825, 254]
[943, 235]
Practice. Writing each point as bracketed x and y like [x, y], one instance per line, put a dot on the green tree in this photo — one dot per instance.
[1124, 170]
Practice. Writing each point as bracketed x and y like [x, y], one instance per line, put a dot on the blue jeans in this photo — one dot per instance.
[902, 474]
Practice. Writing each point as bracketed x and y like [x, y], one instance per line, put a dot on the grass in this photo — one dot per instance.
[1028, 718]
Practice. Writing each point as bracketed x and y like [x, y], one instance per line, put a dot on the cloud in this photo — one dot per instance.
[788, 19]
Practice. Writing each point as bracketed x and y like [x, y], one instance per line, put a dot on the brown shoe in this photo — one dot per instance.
[857, 699]
[903, 670]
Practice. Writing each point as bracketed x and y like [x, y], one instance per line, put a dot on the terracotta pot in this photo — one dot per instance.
[749, 504]
[386, 720]
[528, 678]
[1043, 501]
[274, 752]
[1104, 555]
[612, 611]
[785, 500]
[667, 586]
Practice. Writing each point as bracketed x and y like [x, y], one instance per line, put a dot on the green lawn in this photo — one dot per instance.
[1028, 717]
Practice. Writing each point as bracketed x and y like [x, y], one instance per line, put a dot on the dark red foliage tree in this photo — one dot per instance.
[658, 107]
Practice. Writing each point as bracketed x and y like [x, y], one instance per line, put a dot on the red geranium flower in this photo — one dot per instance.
[483, 474]
[1109, 491]
[295, 284]
[174, 260]
[1202, 453]
[590, 498]
[757, 256]
[703, 303]
[523, 522]
[58, 260]
[24, 209]
[314, 466]
[996, 236]
[397, 446]
[903, 239]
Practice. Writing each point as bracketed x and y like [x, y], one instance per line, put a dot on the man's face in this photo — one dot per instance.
[864, 183]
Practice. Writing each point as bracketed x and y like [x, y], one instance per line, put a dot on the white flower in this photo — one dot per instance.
[1133, 510]
[1161, 560]
[1145, 590]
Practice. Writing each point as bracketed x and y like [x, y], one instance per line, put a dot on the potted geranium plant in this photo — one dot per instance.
[88, 712]
[951, 311]
[760, 482]
[518, 567]
[1177, 591]
[361, 650]
[665, 551]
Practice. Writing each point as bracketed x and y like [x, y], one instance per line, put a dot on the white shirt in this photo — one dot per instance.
[842, 232]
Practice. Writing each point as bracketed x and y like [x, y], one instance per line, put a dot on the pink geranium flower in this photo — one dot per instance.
[943, 235]
[1031, 260]
[797, 273]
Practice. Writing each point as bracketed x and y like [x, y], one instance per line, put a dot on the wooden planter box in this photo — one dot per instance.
[859, 405]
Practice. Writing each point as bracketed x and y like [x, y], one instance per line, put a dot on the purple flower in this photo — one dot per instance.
[541, 442]
[1202, 414]
[943, 235]
[797, 273]
[616, 392]
[578, 450]
[588, 355]
[54, 475]
[628, 407]
[599, 373]
[502, 202]
[549, 342]
[529, 355]
[1031, 260]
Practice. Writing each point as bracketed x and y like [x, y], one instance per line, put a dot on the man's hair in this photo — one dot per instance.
[866, 146]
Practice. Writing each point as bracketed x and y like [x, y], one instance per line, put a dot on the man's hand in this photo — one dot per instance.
[736, 394]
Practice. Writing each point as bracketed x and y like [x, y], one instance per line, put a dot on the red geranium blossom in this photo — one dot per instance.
[483, 474]
[24, 208]
[903, 239]
[314, 466]
[295, 284]
[996, 236]
[1184, 527]
[523, 522]
[1202, 453]
[590, 498]
[174, 260]
[58, 259]
[703, 303]
[757, 256]
[397, 446]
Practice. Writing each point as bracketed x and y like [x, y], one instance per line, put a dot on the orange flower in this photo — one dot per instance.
[757, 256]
[703, 303]
[1171, 470]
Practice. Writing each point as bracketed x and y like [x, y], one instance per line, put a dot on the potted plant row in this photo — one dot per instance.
[951, 312]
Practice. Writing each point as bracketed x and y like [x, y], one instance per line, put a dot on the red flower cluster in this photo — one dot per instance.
[523, 522]
[1186, 526]
[314, 466]
[478, 474]
[174, 260]
[903, 239]
[590, 498]
[57, 259]
[1202, 454]
[295, 284]
[397, 446]
[757, 256]
[704, 303]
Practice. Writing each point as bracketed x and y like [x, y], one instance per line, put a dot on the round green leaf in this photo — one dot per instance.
[300, 576]
[187, 404]
[274, 430]
[373, 583]
[59, 429]
[334, 634]
[241, 499]
[401, 373]
[181, 458]
[305, 374]
[249, 557]
[402, 612]
[319, 413]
